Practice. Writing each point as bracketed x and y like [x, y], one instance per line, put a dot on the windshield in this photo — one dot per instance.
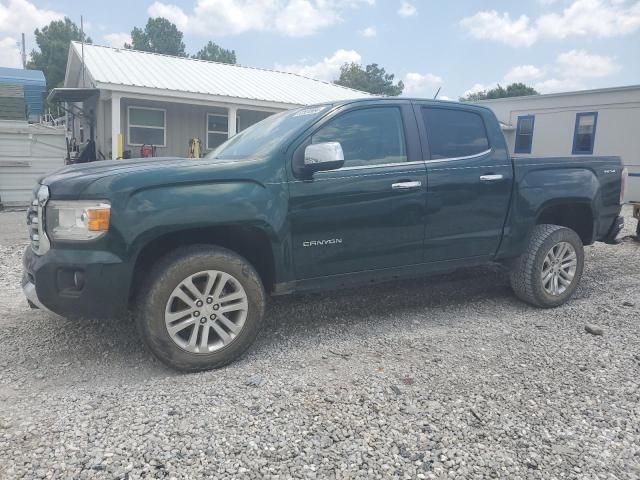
[263, 137]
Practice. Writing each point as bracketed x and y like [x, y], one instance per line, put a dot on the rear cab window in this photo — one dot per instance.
[454, 133]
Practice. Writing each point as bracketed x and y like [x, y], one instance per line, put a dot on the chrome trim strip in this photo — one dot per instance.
[451, 159]
[379, 165]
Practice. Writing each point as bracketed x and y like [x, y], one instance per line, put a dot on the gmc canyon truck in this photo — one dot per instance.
[327, 196]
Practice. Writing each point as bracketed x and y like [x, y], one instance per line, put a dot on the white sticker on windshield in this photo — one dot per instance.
[309, 111]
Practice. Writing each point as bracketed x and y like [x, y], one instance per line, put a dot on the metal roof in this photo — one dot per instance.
[72, 94]
[22, 77]
[33, 83]
[111, 67]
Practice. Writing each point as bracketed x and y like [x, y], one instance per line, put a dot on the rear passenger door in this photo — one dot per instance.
[469, 180]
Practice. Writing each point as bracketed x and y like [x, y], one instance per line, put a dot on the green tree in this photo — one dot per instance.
[215, 53]
[159, 36]
[53, 43]
[372, 79]
[513, 90]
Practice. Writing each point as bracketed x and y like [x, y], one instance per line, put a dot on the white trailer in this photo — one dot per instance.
[27, 152]
[632, 189]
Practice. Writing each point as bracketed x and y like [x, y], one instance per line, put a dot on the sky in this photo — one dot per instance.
[460, 46]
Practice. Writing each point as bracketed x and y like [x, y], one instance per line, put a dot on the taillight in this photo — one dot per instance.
[623, 184]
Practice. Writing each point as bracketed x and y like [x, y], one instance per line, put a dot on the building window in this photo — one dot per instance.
[147, 126]
[454, 133]
[217, 129]
[524, 134]
[584, 134]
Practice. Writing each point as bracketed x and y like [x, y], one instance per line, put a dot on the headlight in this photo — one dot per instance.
[78, 219]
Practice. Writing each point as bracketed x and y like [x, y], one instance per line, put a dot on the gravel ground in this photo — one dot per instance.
[449, 377]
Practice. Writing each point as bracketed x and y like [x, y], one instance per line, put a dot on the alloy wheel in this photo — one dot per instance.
[559, 268]
[206, 311]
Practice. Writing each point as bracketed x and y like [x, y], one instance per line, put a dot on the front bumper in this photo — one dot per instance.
[50, 282]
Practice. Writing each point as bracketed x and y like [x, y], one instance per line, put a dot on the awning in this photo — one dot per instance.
[72, 95]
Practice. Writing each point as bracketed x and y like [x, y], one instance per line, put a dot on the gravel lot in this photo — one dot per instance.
[449, 377]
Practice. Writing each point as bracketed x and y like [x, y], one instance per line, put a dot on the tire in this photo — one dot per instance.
[527, 271]
[172, 283]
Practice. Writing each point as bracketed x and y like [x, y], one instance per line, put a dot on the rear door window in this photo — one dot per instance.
[454, 133]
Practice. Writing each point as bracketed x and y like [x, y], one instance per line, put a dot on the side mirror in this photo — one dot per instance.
[319, 157]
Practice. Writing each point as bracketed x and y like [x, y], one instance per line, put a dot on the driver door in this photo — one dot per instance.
[370, 213]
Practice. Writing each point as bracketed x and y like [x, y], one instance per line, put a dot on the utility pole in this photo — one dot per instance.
[24, 53]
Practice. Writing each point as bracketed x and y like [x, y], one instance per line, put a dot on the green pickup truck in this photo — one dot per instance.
[321, 197]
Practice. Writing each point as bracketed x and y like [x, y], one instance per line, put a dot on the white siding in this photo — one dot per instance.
[184, 122]
[27, 152]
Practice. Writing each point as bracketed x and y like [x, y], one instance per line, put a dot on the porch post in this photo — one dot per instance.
[232, 122]
[115, 125]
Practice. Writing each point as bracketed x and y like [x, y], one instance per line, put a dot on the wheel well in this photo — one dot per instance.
[576, 216]
[251, 243]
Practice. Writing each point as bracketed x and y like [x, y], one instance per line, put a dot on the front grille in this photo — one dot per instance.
[35, 221]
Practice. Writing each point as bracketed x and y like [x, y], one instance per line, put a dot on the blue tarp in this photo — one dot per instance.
[34, 83]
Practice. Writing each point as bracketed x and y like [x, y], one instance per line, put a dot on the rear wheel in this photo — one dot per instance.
[202, 309]
[549, 271]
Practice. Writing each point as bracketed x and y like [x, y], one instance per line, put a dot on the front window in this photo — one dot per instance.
[147, 126]
[371, 136]
[584, 134]
[264, 137]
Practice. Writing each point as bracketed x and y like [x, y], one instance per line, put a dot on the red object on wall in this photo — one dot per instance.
[147, 151]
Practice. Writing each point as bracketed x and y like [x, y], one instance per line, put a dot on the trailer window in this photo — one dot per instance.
[524, 134]
[584, 134]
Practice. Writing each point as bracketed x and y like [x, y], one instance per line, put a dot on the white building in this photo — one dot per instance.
[141, 98]
[589, 122]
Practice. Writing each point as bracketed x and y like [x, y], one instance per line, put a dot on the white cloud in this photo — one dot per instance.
[407, 10]
[328, 69]
[21, 16]
[523, 73]
[302, 17]
[421, 84]
[571, 70]
[601, 18]
[10, 53]
[479, 87]
[598, 18]
[500, 28]
[369, 32]
[172, 13]
[295, 18]
[117, 39]
[553, 85]
[578, 63]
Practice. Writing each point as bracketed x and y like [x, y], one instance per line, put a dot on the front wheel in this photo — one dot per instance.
[202, 308]
[548, 272]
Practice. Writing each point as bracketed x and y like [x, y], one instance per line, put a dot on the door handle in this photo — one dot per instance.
[491, 177]
[406, 185]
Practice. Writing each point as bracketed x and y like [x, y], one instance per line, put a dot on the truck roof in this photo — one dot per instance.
[407, 100]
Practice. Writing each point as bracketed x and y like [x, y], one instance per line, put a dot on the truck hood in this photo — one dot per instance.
[74, 180]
